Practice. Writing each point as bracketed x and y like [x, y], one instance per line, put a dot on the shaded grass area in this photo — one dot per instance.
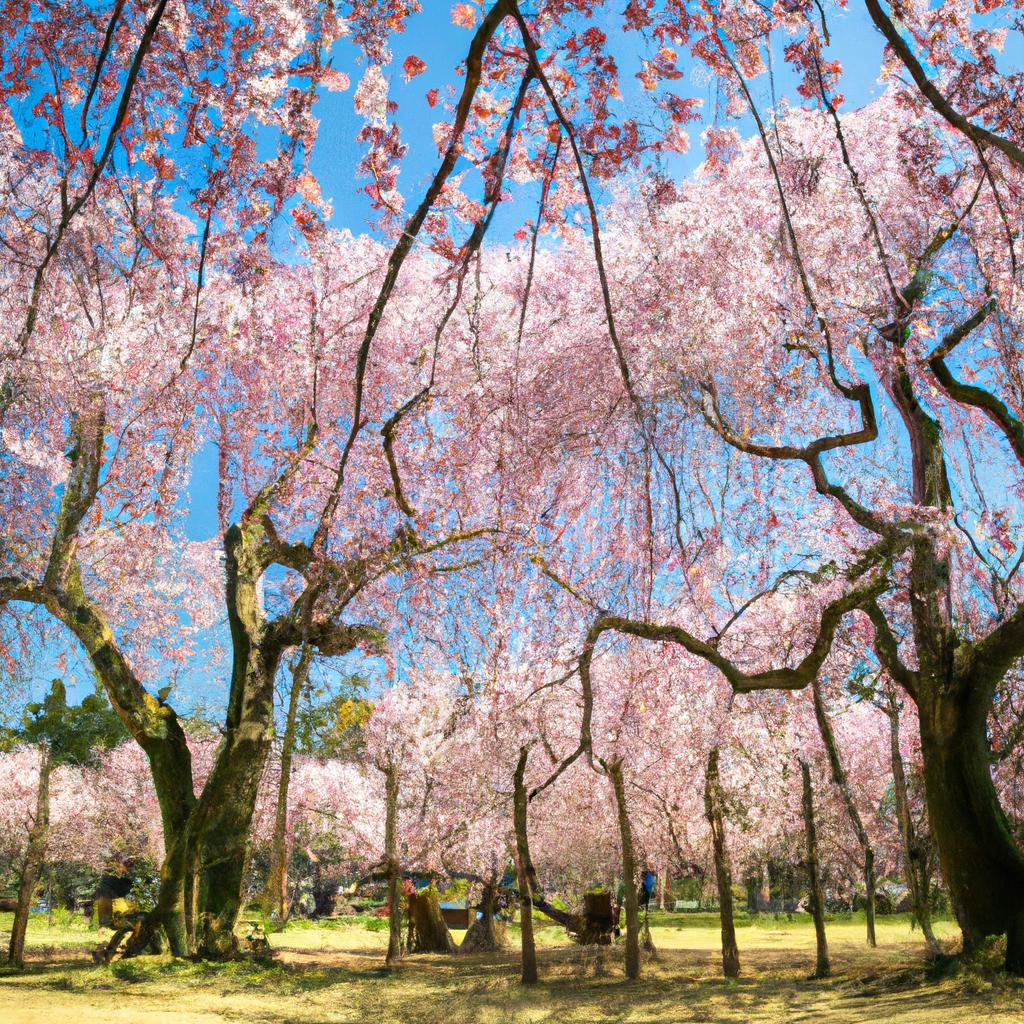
[335, 973]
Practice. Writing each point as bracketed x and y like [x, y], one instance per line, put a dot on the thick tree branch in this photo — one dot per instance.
[976, 133]
[784, 678]
[970, 394]
[887, 649]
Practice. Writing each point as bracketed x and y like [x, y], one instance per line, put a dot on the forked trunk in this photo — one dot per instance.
[35, 855]
[219, 827]
[714, 810]
[822, 968]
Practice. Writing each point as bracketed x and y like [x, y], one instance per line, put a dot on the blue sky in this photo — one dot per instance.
[432, 37]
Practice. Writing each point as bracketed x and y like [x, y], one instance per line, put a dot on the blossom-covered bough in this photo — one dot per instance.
[891, 345]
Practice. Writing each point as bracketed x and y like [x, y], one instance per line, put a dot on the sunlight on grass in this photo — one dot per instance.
[335, 973]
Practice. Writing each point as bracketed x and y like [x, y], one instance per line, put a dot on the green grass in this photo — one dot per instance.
[68, 931]
[334, 972]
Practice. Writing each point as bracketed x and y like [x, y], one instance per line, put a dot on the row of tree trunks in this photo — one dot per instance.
[822, 967]
[715, 813]
[35, 855]
[842, 782]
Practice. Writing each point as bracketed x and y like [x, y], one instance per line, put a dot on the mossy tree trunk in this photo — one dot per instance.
[981, 863]
[485, 935]
[219, 829]
[714, 809]
[428, 932]
[822, 967]
[955, 679]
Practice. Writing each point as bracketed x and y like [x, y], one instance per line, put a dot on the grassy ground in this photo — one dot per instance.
[335, 973]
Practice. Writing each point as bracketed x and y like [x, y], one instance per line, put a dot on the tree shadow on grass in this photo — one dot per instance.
[578, 985]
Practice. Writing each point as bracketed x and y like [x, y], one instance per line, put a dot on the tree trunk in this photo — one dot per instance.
[840, 778]
[427, 928]
[35, 855]
[714, 810]
[953, 687]
[392, 778]
[485, 935]
[219, 828]
[822, 968]
[524, 869]
[629, 878]
[155, 727]
[981, 862]
[277, 883]
[915, 862]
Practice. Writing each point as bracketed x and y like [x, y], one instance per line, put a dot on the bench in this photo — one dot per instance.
[686, 905]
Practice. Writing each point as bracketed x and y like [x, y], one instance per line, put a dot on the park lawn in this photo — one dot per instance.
[335, 973]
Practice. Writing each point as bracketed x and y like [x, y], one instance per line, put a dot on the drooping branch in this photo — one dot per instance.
[848, 391]
[474, 69]
[643, 416]
[855, 179]
[70, 210]
[470, 248]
